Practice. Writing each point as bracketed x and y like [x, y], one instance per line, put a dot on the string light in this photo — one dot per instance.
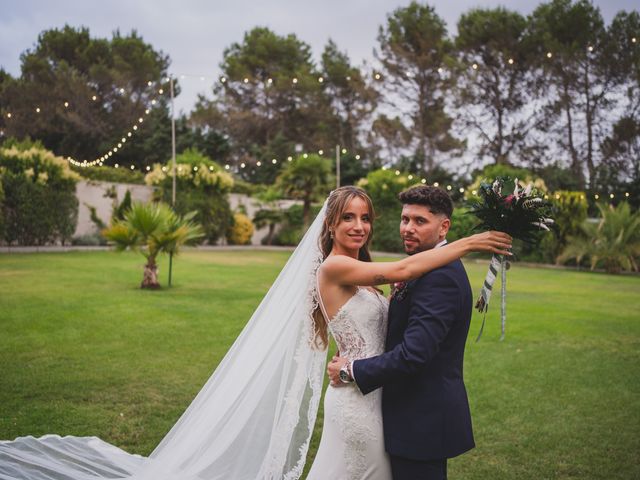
[510, 61]
[549, 55]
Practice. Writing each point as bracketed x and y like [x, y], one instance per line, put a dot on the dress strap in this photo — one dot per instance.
[320, 302]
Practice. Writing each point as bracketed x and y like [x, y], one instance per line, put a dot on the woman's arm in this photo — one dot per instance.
[345, 270]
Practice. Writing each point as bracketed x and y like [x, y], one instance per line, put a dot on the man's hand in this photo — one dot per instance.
[333, 370]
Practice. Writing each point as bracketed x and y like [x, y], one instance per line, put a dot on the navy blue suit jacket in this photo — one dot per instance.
[424, 402]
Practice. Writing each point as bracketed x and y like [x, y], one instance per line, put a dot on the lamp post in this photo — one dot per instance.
[173, 163]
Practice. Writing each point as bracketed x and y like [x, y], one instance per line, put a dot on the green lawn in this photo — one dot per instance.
[83, 351]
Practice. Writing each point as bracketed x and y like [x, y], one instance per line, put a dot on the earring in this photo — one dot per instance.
[331, 234]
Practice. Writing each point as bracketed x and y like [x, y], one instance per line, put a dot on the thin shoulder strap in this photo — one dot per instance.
[320, 302]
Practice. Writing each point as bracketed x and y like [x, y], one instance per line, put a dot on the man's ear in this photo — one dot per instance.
[444, 227]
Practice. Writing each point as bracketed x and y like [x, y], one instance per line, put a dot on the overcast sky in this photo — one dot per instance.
[194, 33]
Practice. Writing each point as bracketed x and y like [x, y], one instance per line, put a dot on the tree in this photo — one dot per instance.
[413, 50]
[352, 99]
[80, 95]
[153, 229]
[576, 55]
[270, 100]
[495, 87]
[307, 178]
[387, 139]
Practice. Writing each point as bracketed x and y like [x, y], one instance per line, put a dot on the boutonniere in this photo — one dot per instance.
[399, 291]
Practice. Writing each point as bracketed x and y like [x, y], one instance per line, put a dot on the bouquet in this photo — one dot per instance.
[522, 214]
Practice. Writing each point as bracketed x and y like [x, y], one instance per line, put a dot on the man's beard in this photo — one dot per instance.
[422, 247]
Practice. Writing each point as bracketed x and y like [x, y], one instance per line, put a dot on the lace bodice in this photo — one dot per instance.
[360, 325]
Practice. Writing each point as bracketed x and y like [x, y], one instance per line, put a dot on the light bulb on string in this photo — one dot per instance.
[397, 172]
[149, 83]
[129, 134]
[289, 158]
[344, 151]
[66, 104]
[295, 80]
[259, 163]
[410, 177]
[549, 55]
[164, 169]
[242, 165]
[320, 152]
[461, 190]
[117, 166]
[510, 61]
[246, 80]
[474, 66]
[436, 184]
[148, 168]
[161, 91]
[274, 161]
[135, 127]
[449, 187]
[424, 180]
[304, 155]
[132, 167]
[94, 98]
[37, 109]
[9, 115]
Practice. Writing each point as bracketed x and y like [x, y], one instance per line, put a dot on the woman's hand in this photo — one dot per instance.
[492, 242]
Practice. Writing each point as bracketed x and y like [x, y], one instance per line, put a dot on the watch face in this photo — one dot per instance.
[344, 376]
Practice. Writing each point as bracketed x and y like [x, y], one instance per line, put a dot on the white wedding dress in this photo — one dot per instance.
[352, 444]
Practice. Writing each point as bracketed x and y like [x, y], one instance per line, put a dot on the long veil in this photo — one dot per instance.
[253, 419]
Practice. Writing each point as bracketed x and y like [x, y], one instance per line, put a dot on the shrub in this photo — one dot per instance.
[241, 231]
[111, 174]
[292, 227]
[201, 186]
[39, 205]
[383, 186]
[612, 243]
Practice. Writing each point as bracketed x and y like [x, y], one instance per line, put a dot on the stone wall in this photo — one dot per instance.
[99, 195]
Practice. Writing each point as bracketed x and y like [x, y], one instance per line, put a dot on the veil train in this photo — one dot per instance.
[253, 419]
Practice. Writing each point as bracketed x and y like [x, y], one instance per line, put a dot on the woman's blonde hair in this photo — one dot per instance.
[336, 205]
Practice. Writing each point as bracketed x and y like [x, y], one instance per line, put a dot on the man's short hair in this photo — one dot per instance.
[435, 199]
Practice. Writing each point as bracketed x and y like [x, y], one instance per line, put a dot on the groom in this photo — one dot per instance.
[424, 402]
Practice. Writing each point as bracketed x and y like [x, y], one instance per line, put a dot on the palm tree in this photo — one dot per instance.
[613, 242]
[152, 229]
[306, 178]
[268, 217]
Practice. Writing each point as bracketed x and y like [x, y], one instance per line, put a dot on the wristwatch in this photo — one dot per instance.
[345, 376]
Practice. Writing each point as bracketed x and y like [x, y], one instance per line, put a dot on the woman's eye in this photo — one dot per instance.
[346, 217]
[365, 218]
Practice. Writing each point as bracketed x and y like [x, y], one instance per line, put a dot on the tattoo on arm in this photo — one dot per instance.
[380, 279]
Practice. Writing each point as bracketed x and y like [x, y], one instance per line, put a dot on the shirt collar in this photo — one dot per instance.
[443, 242]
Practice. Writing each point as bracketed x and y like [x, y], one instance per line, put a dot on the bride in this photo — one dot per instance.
[254, 417]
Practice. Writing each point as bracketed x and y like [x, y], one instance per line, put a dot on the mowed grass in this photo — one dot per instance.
[83, 351]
